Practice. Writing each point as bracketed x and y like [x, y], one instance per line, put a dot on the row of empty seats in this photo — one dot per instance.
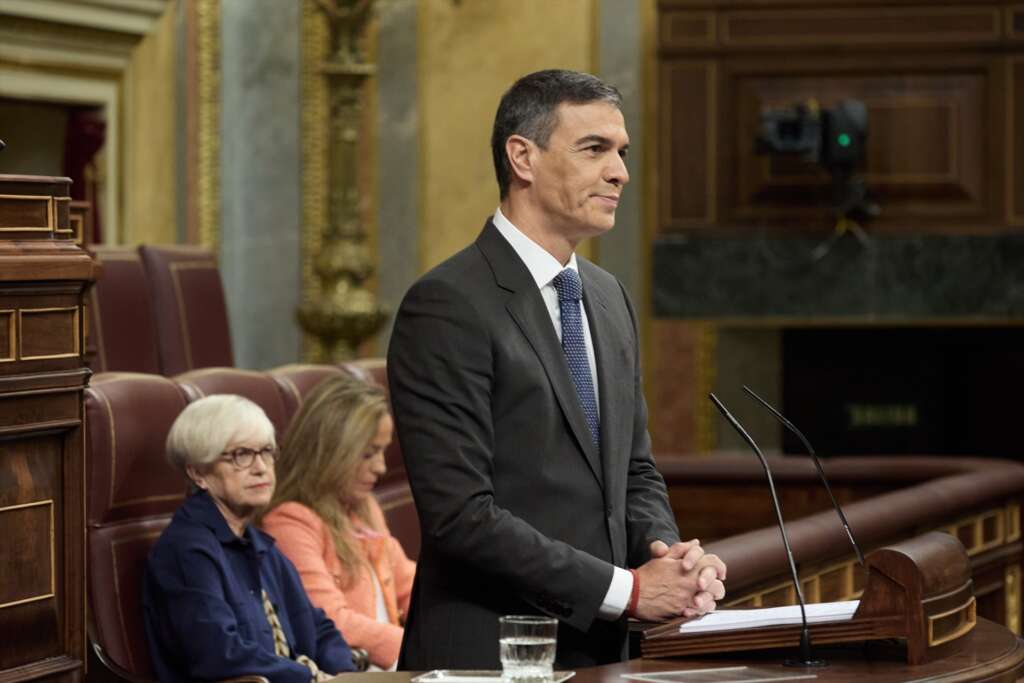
[132, 491]
[157, 309]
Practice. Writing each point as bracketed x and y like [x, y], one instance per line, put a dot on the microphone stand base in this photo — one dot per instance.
[806, 663]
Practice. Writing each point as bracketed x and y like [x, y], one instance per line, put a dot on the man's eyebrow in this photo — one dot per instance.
[599, 139]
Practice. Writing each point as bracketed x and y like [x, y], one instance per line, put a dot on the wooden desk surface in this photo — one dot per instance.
[992, 654]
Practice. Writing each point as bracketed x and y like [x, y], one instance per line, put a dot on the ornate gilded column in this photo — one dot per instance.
[343, 312]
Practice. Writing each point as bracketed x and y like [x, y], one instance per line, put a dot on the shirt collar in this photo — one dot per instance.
[543, 266]
[200, 508]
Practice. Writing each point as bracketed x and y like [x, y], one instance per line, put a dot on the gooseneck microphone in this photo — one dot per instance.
[817, 463]
[805, 634]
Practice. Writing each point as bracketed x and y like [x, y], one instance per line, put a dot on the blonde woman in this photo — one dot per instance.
[327, 522]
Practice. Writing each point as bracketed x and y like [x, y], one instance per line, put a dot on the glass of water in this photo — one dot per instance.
[527, 647]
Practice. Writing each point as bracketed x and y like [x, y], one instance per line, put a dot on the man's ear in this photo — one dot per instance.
[521, 155]
[196, 476]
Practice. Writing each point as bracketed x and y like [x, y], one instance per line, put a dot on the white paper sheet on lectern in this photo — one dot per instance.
[739, 619]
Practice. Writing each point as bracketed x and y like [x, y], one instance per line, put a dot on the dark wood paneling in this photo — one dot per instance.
[943, 144]
[869, 26]
[42, 472]
[688, 160]
[924, 160]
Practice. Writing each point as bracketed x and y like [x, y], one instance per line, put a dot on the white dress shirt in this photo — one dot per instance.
[544, 267]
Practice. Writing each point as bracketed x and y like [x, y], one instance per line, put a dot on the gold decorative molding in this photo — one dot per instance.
[122, 16]
[53, 555]
[12, 335]
[208, 121]
[315, 113]
[76, 342]
[979, 533]
[1011, 588]
[344, 313]
[964, 618]
[50, 213]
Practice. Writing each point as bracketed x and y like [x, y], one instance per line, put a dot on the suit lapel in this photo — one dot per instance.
[527, 308]
[614, 389]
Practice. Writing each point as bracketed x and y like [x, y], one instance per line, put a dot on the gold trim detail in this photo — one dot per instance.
[1012, 522]
[53, 554]
[208, 122]
[971, 609]
[76, 329]
[56, 228]
[1011, 597]
[50, 213]
[756, 597]
[77, 228]
[315, 118]
[12, 335]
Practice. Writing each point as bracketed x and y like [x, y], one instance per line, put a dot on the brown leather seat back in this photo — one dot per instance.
[132, 493]
[376, 371]
[259, 387]
[120, 309]
[128, 416]
[298, 379]
[191, 315]
[400, 513]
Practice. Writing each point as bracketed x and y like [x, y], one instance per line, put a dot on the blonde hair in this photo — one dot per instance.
[320, 453]
[206, 427]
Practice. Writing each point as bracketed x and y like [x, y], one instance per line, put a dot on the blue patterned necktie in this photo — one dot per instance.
[570, 292]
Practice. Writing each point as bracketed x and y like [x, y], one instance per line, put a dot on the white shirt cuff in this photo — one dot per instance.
[617, 598]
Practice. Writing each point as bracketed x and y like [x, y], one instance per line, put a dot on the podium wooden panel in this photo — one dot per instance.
[42, 473]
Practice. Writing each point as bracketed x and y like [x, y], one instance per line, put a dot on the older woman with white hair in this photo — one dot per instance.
[220, 600]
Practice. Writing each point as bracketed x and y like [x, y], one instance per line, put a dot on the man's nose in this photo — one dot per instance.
[617, 174]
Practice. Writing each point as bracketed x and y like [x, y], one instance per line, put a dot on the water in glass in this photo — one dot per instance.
[527, 647]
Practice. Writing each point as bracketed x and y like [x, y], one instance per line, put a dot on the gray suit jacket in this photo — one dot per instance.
[520, 512]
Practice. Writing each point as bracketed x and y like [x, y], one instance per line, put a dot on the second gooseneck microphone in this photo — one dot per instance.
[817, 463]
[806, 658]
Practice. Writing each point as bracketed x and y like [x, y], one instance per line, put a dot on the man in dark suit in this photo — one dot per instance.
[515, 380]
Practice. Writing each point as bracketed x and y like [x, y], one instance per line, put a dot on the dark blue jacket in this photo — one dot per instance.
[203, 611]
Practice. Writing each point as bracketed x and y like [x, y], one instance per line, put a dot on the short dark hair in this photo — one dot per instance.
[529, 108]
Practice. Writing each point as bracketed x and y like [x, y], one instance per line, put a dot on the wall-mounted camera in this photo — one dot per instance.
[833, 138]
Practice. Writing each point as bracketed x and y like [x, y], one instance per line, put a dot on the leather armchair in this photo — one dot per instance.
[121, 321]
[191, 314]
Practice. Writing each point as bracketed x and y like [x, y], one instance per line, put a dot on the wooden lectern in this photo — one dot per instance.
[918, 590]
[42, 470]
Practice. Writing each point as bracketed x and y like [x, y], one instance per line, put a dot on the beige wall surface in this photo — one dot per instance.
[469, 53]
[149, 180]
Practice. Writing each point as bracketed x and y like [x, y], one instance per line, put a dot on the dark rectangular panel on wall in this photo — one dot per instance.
[688, 159]
[933, 76]
[936, 390]
[927, 155]
[1015, 150]
[42, 472]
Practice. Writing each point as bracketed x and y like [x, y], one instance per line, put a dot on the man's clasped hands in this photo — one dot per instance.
[679, 580]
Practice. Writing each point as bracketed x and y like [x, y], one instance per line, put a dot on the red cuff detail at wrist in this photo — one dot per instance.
[634, 596]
